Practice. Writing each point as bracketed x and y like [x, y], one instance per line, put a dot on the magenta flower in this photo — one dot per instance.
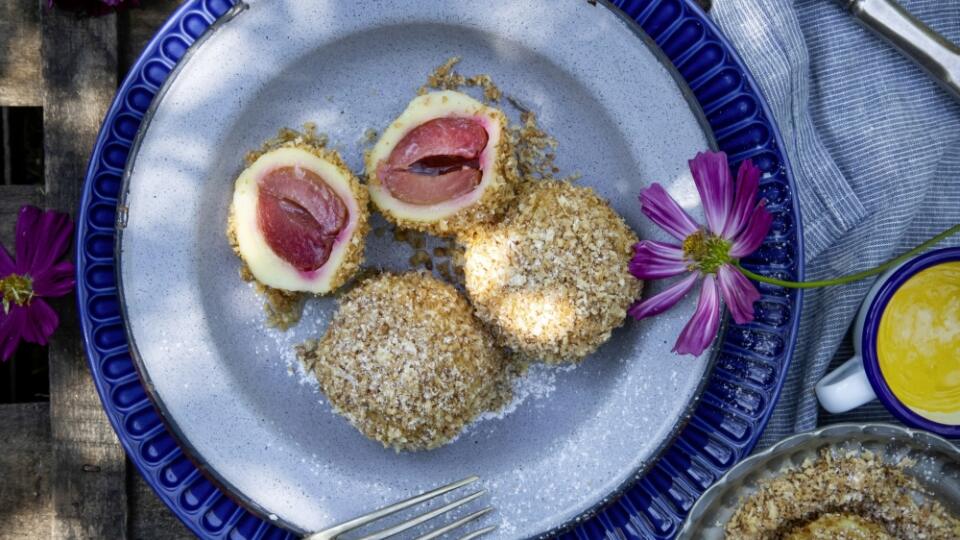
[736, 225]
[40, 270]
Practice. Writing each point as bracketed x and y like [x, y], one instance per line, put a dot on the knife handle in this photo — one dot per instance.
[930, 50]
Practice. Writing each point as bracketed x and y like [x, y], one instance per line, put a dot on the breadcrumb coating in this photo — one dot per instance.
[552, 279]
[853, 483]
[406, 362]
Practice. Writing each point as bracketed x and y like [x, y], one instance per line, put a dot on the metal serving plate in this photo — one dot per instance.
[937, 468]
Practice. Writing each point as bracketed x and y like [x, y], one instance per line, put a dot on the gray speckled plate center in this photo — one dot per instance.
[231, 388]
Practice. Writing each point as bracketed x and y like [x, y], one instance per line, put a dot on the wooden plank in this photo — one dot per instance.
[135, 27]
[25, 467]
[79, 75]
[20, 80]
[11, 199]
[150, 519]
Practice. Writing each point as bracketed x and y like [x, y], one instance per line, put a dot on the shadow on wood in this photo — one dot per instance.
[25, 468]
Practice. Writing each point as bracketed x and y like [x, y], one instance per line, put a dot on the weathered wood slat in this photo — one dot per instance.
[79, 76]
[150, 519]
[11, 199]
[136, 27]
[25, 467]
[20, 53]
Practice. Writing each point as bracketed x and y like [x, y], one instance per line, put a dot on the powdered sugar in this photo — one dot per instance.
[538, 382]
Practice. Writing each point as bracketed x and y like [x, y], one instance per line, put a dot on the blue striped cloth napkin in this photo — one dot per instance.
[875, 150]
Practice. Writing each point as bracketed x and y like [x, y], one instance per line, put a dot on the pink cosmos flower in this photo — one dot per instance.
[736, 225]
[40, 270]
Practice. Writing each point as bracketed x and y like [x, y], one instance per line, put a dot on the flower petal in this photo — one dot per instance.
[665, 300]
[701, 329]
[42, 238]
[738, 293]
[56, 280]
[753, 234]
[745, 196]
[7, 265]
[711, 174]
[660, 207]
[40, 322]
[11, 325]
[26, 222]
[656, 260]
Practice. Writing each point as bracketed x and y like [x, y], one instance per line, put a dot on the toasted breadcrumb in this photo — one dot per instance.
[839, 526]
[445, 77]
[552, 279]
[856, 484]
[407, 363]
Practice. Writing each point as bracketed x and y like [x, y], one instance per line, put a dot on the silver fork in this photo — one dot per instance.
[334, 532]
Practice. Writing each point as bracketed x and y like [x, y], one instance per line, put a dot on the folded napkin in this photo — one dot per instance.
[875, 149]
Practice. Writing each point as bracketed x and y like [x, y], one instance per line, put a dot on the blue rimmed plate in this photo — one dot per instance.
[221, 395]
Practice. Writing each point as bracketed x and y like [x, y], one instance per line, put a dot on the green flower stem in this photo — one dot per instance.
[852, 277]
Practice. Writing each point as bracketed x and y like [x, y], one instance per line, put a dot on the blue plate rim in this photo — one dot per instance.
[213, 10]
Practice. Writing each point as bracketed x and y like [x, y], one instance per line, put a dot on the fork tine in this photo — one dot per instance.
[459, 523]
[478, 533]
[360, 521]
[396, 529]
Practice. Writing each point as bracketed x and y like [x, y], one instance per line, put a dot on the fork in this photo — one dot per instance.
[917, 41]
[334, 532]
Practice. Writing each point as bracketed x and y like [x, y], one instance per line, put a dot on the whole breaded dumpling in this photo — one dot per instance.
[406, 362]
[552, 279]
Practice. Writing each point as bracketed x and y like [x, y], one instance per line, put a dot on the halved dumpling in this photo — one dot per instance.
[299, 217]
[445, 164]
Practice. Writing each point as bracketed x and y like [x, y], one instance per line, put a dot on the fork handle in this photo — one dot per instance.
[931, 51]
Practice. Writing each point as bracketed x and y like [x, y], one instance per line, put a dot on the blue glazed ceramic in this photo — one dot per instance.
[750, 363]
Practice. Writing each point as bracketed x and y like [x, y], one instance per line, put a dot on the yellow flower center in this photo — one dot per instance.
[16, 289]
[705, 251]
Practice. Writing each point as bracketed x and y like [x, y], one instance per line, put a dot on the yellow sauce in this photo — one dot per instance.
[918, 344]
